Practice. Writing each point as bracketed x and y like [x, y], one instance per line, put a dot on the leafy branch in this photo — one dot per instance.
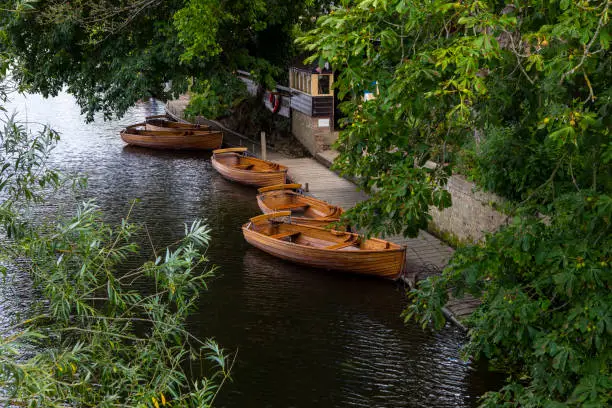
[603, 20]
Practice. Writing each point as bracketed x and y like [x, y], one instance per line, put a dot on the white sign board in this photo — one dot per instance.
[323, 122]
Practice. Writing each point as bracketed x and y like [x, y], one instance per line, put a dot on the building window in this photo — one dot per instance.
[324, 84]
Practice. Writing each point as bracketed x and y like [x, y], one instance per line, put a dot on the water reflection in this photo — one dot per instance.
[305, 337]
[364, 355]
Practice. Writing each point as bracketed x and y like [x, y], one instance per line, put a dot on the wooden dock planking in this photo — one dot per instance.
[323, 183]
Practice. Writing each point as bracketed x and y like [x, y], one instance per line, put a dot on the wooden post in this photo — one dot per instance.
[263, 146]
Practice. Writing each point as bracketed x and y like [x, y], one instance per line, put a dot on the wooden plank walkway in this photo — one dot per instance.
[425, 255]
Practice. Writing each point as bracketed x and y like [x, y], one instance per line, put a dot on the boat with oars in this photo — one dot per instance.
[162, 122]
[276, 234]
[235, 165]
[304, 209]
[138, 135]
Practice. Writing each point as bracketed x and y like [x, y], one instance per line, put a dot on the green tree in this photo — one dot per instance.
[516, 95]
[111, 53]
[546, 316]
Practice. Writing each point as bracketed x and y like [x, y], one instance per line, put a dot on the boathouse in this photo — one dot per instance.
[312, 105]
[309, 102]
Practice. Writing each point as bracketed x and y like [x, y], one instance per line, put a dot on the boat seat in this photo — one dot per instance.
[292, 206]
[285, 235]
[244, 166]
[343, 244]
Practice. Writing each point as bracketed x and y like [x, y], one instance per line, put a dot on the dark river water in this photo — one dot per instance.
[305, 338]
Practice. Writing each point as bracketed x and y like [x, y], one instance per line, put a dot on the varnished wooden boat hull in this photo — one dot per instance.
[173, 140]
[304, 210]
[386, 263]
[265, 176]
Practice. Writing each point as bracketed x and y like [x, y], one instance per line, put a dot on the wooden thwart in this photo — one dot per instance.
[285, 235]
[342, 245]
[264, 217]
[292, 206]
[280, 187]
[244, 166]
[231, 150]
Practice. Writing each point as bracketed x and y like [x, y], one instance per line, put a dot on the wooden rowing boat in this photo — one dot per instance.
[161, 122]
[304, 210]
[323, 248]
[144, 126]
[234, 165]
[172, 139]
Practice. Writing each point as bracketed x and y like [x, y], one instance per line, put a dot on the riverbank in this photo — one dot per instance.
[304, 337]
[426, 255]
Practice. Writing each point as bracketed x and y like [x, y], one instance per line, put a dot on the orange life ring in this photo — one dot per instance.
[275, 101]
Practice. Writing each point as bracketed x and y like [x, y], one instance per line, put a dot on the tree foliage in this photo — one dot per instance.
[517, 96]
[111, 53]
[547, 308]
[106, 58]
[517, 93]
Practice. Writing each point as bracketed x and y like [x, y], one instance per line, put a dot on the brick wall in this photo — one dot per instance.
[471, 215]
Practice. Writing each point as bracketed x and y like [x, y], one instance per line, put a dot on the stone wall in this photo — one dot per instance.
[314, 133]
[471, 215]
[177, 107]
